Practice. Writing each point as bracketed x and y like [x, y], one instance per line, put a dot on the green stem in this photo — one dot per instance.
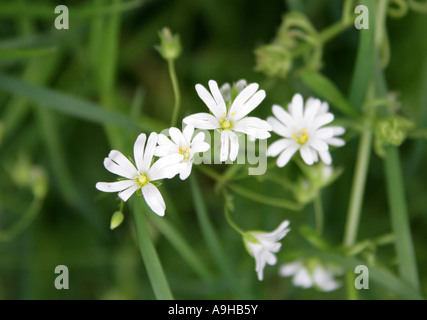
[213, 242]
[231, 222]
[359, 181]
[148, 252]
[176, 92]
[399, 218]
[272, 201]
[24, 222]
[318, 212]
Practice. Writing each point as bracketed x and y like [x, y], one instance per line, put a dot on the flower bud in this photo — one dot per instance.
[116, 220]
[170, 45]
[274, 60]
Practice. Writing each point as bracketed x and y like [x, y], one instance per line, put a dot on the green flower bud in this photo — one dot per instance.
[116, 220]
[274, 60]
[170, 45]
[391, 131]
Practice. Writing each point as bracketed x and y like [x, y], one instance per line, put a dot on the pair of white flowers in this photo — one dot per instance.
[175, 157]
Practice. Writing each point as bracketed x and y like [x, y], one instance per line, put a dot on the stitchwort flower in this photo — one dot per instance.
[303, 130]
[263, 245]
[184, 144]
[230, 118]
[142, 177]
[311, 273]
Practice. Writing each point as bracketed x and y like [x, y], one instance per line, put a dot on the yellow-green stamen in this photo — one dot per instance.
[142, 180]
[185, 151]
[301, 137]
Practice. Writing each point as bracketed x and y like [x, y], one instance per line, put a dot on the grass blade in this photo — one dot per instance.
[149, 255]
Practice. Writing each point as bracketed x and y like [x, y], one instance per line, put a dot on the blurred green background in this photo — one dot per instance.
[107, 58]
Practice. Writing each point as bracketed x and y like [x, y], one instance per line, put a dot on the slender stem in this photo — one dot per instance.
[231, 222]
[318, 212]
[359, 181]
[26, 219]
[272, 201]
[176, 92]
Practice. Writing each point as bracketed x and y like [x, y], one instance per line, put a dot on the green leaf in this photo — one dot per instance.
[149, 255]
[64, 103]
[325, 89]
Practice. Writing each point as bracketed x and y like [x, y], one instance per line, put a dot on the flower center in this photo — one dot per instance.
[142, 180]
[226, 123]
[301, 136]
[185, 151]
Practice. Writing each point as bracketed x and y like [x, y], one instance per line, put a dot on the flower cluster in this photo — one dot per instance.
[302, 128]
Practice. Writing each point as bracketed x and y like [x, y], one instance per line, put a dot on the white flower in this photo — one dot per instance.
[141, 176]
[183, 144]
[232, 120]
[317, 275]
[262, 246]
[303, 130]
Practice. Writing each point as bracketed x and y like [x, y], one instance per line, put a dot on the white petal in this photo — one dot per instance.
[323, 109]
[324, 133]
[114, 186]
[116, 169]
[125, 194]
[281, 231]
[122, 161]
[311, 109]
[200, 137]
[296, 107]
[326, 157]
[209, 100]
[318, 144]
[283, 116]
[202, 120]
[241, 84]
[278, 146]
[165, 167]
[306, 155]
[163, 140]
[162, 151]
[224, 145]
[336, 142]
[289, 269]
[254, 127]
[154, 199]
[188, 133]
[234, 145]
[176, 136]
[279, 128]
[302, 279]
[220, 104]
[286, 155]
[138, 150]
[242, 97]
[248, 106]
[324, 280]
[186, 170]
[199, 147]
[337, 130]
[149, 152]
[322, 120]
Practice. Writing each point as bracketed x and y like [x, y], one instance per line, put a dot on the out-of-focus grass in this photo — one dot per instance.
[56, 117]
